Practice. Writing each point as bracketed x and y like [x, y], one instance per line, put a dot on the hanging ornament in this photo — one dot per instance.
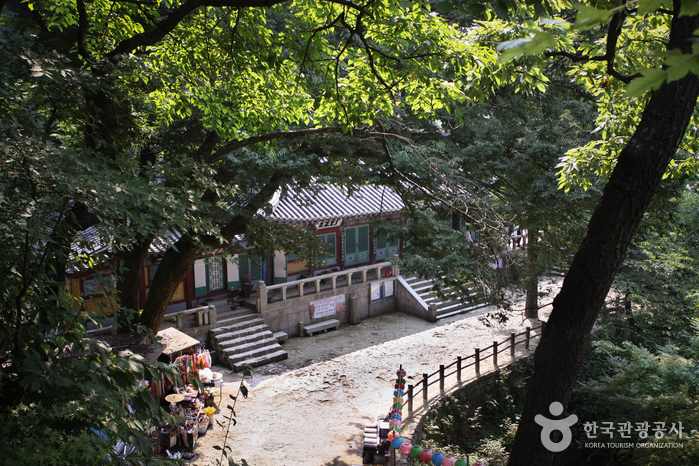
[397, 416]
[400, 386]
[405, 448]
[398, 393]
[394, 422]
[398, 405]
[478, 463]
[461, 462]
[426, 455]
[393, 434]
[401, 372]
[415, 451]
[438, 458]
[398, 399]
[449, 461]
[397, 442]
[396, 428]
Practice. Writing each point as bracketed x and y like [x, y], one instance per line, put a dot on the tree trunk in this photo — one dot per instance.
[531, 303]
[129, 264]
[171, 271]
[638, 172]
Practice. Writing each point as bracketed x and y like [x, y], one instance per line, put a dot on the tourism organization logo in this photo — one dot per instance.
[551, 425]
[605, 430]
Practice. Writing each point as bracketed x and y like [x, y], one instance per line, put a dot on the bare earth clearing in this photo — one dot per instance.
[311, 409]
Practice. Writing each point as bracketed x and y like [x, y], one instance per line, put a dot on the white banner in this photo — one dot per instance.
[328, 306]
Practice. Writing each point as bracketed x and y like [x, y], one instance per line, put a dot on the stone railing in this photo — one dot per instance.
[263, 290]
[206, 316]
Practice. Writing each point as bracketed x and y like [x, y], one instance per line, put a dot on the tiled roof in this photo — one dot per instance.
[330, 202]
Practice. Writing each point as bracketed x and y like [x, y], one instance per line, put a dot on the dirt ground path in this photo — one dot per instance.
[311, 409]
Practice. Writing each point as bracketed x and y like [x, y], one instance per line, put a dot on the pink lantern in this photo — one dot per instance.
[448, 461]
[394, 422]
[405, 449]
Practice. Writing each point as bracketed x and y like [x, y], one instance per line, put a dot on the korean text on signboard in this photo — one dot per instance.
[328, 306]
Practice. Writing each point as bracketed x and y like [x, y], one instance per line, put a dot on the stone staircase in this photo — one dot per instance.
[423, 287]
[242, 339]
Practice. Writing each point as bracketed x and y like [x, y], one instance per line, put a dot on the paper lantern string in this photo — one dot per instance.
[406, 448]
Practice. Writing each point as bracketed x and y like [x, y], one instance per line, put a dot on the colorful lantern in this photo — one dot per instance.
[400, 380]
[415, 451]
[396, 428]
[398, 399]
[478, 463]
[400, 386]
[401, 372]
[437, 458]
[426, 455]
[397, 442]
[405, 448]
[398, 405]
[398, 393]
[393, 434]
[394, 422]
[449, 461]
[397, 416]
[461, 462]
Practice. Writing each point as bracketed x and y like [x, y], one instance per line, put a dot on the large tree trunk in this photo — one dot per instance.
[171, 271]
[638, 172]
[129, 264]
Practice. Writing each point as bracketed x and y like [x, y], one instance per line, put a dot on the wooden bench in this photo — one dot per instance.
[321, 327]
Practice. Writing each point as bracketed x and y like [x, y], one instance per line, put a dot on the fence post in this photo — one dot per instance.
[441, 377]
[477, 366]
[512, 344]
[543, 326]
[458, 369]
[527, 337]
[495, 353]
[410, 398]
[424, 387]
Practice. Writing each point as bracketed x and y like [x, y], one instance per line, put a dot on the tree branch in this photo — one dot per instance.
[171, 21]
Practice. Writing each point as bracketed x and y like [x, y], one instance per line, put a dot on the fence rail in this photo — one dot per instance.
[440, 375]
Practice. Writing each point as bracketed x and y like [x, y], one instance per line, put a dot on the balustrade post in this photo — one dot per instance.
[477, 356]
[424, 387]
[349, 278]
[512, 344]
[317, 285]
[458, 369]
[527, 337]
[441, 377]
[300, 287]
[283, 293]
[495, 353]
[213, 315]
[364, 275]
[543, 327]
[410, 398]
[333, 280]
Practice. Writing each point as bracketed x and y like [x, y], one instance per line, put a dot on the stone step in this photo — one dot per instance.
[281, 336]
[252, 354]
[243, 346]
[235, 317]
[246, 338]
[460, 310]
[268, 358]
[238, 324]
[261, 327]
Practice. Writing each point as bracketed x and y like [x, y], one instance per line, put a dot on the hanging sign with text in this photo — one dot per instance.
[328, 306]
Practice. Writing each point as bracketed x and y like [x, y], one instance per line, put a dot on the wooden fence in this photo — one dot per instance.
[478, 356]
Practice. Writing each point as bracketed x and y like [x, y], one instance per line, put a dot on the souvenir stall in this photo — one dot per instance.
[192, 409]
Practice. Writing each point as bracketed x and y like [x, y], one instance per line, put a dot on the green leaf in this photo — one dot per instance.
[646, 6]
[652, 79]
[590, 17]
[244, 390]
[443, 8]
[689, 8]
